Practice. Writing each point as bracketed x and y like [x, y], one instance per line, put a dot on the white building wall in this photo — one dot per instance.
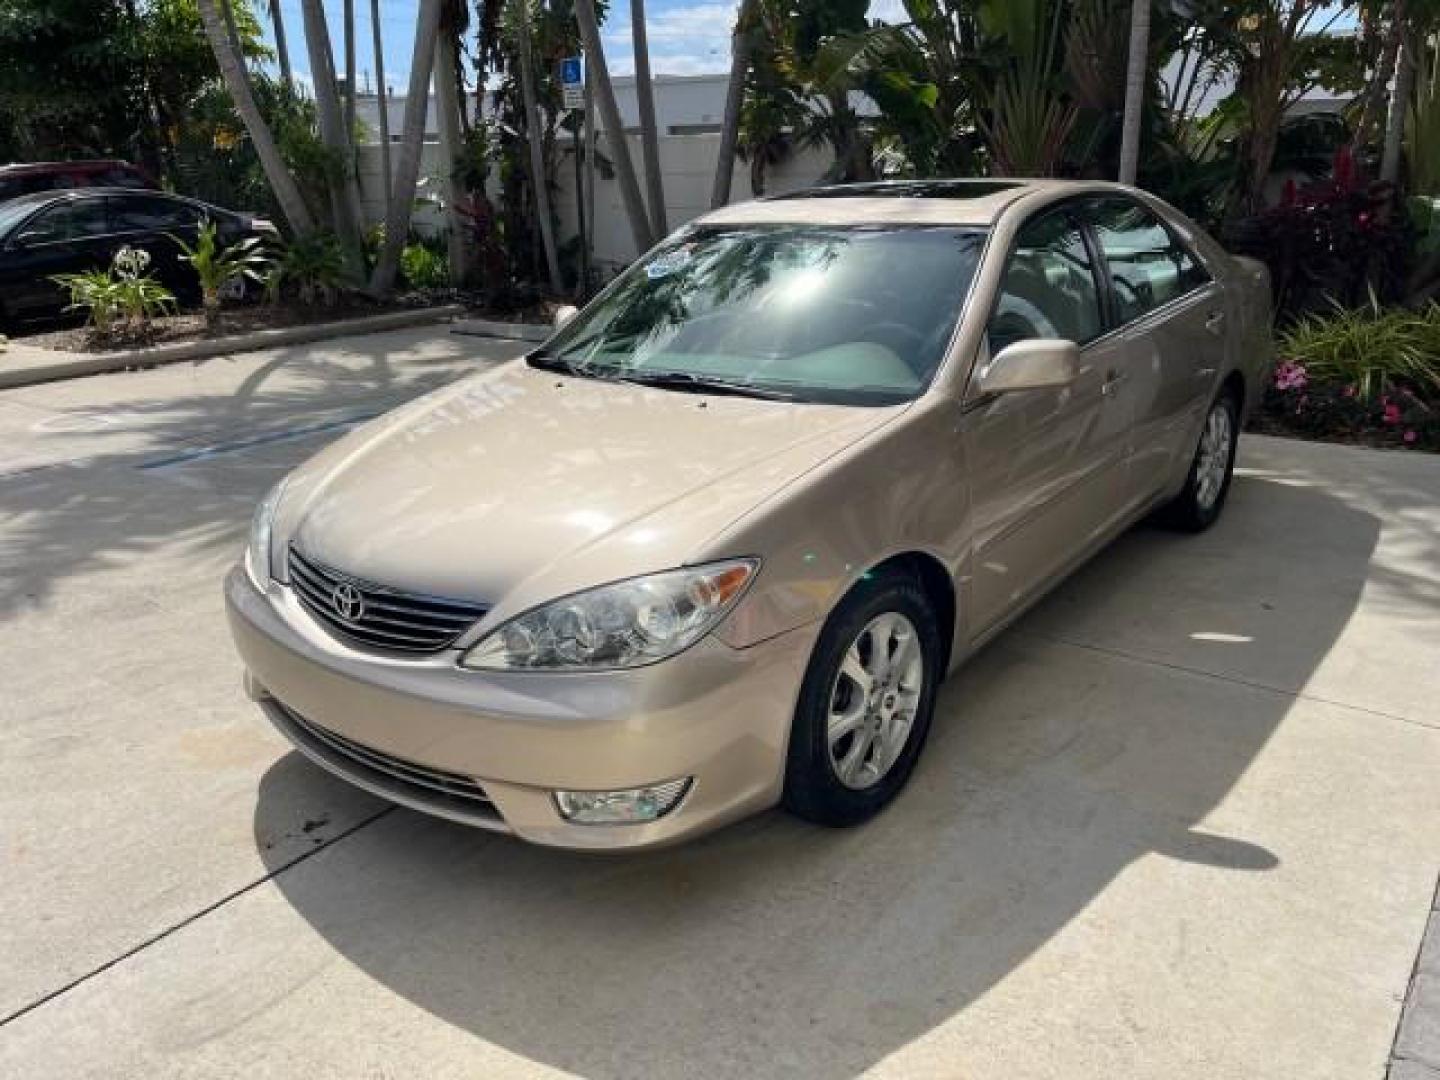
[688, 171]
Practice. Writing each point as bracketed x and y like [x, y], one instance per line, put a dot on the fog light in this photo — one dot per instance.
[621, 807]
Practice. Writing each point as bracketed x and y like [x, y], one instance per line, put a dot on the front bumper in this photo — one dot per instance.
[489, 748]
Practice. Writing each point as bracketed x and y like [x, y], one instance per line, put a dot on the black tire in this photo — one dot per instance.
[813, 789]
[1189, 511]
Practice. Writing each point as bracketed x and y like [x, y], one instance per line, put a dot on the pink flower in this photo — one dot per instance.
[1290, 376]
[1410, 436]
[1392, 413]
[1349, 391]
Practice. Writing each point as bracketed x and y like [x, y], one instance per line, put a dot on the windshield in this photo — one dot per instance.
[854, 315]
[12, 214]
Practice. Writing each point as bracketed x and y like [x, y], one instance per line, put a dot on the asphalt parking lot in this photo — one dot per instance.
[1182, 821]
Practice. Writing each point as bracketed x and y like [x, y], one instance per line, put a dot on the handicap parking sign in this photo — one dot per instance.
[572, 82]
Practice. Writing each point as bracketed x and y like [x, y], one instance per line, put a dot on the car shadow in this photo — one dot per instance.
[775, 948]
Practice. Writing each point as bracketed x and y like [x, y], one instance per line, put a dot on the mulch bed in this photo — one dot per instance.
[190, 325]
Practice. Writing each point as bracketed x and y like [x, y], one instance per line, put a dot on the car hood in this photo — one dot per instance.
[519, 485]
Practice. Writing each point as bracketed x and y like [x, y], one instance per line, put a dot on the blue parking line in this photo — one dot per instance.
[203, 452]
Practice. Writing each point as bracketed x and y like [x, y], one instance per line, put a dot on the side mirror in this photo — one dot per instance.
[563, 314]
[1035, 364]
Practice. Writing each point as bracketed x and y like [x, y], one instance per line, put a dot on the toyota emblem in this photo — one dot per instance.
[348, 602]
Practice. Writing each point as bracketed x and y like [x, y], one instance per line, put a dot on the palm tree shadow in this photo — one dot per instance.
[774, 948]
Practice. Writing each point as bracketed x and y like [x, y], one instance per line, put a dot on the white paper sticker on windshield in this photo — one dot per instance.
[666, 264]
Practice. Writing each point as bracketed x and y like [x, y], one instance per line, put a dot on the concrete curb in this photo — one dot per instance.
[511, 331]
[47, 365]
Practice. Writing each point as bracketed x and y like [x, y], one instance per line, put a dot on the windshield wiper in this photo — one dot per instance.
[548, 361]
[689, 382]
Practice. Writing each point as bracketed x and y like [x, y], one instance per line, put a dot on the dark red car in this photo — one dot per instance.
[16, 180]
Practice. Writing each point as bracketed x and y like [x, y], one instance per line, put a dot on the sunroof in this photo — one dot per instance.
[905, 189]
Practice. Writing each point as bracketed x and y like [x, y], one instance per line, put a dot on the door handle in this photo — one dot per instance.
[1113, 378]
[1215, 323]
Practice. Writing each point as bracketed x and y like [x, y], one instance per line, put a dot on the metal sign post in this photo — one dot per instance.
[572, 83]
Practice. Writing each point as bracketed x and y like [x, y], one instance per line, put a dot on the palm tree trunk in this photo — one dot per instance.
[1374, 104]
[350, 73]
[539, 180]
[232, 70]
[1399, 106]
[345, 212]
[649, 136]
[447, 102]
[614, 129]
[407, 168]
[382, 98]
[282, 48]
[1135, 75]
[730, 126]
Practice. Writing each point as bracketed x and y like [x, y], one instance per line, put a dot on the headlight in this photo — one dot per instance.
[257, 552]
[624, 625]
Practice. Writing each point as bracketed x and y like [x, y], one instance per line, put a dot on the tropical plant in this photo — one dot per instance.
[1334, 241]
[1371, 349]
[122, 297]
[138, 296]
[95, 293]
[218, 267]
[312, 267]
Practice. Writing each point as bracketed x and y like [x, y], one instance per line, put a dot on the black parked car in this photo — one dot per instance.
[62, 232]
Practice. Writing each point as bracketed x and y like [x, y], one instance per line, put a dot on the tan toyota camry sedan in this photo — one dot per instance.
[714, 546]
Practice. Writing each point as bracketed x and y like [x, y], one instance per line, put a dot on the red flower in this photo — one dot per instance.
[1392, 412]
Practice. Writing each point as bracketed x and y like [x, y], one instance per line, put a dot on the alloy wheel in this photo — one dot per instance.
[874, 699]
[1213, 462]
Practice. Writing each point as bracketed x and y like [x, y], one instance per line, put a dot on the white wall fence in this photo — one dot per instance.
[687, 164]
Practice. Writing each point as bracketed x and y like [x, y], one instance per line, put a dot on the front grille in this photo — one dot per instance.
[377, 616]
[435, 791]
[461, 787]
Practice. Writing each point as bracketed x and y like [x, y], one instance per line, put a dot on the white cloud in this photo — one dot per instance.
[691, 38]
[684, 39]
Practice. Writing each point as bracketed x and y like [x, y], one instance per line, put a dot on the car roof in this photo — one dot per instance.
[36, 198]
[22, 168]
[978, 202]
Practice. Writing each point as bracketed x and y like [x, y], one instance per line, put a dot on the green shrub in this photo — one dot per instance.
[1369, 349]
[313, 267]
[424, 268]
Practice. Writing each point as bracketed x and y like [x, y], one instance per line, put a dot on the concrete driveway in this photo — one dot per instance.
[1183, 821]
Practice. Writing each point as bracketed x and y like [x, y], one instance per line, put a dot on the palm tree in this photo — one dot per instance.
[349, 19]
[237, 82]
[282, 49]
[539, 180]
[447, 102]
[407, 169]
[344, 203]
[382, 97]
[649, 138]
[734, 98]
[1134, 90]
[1399, 100]
[614, 129]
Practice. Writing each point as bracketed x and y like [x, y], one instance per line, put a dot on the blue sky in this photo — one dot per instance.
[686, 36]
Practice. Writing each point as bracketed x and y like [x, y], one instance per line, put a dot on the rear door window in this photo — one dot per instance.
[1148, 267]
[145, 214]
[1049, 289]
